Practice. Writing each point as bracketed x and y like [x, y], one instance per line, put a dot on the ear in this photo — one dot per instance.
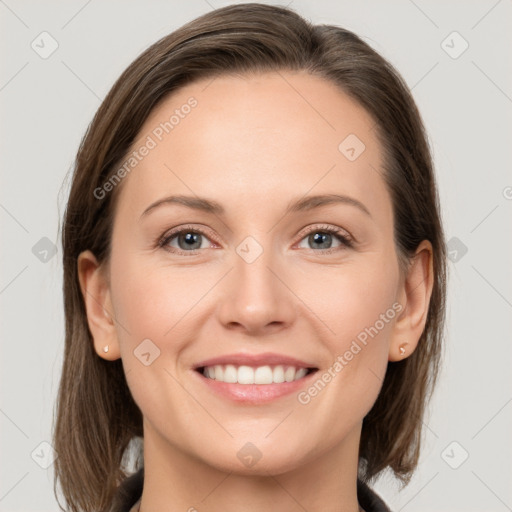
[414, 296]
[96, 293]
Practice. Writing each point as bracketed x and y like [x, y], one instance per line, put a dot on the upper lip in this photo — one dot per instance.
[264, 359]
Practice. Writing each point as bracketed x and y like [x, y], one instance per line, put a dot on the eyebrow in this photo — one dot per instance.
[303, 204]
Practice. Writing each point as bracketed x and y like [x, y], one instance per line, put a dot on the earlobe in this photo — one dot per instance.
[96, 294]
[416, 292]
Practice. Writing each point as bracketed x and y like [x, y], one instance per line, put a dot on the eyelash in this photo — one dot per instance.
[341, 235]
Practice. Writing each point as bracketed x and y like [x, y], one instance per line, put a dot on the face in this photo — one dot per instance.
[270, 279]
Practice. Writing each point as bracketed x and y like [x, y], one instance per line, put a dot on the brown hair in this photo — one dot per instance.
[96, 415]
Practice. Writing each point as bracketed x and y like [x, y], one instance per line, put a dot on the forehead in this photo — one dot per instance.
[256, 138]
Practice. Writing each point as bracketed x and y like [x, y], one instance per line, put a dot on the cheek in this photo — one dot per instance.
[349, 301]
[360, 309]
[356, 303]
[152, 306]
[152, 301]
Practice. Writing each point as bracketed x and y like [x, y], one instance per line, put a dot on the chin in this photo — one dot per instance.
[255, 458]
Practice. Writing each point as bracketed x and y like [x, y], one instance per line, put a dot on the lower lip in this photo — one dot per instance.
[255, 393]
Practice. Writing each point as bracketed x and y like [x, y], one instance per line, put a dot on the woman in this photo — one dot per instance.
[254, 275]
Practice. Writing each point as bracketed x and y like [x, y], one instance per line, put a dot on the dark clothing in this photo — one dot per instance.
[131, 491]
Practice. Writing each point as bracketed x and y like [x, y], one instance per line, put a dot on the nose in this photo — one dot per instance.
[256, 298]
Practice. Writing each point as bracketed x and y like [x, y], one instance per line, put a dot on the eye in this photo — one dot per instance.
[185, 240]
[189, 240]
[323, 236]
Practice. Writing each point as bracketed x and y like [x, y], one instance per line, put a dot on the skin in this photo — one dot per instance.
[254, 144]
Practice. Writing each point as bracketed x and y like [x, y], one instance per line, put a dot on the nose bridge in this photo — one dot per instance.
[257, 298]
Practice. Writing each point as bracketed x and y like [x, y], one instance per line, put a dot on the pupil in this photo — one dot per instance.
[190, 239]
[318, 237]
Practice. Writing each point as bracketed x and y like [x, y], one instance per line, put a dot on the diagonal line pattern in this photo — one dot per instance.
[76, 14]
[381, 174]
[280, 423]
[80, 79]
[218, 485]
[492, 211]
[497, 497]
[14, 486]
[493, 287]
[491, 80]
[286, 491]
[415, 496]
[13, 13]
[14, 218]
[501, 408]
[13, 423]
[14, 76]
[210, 82]
[213, 8]
[424, 14]
[424, 76]
[485, 15]
[13, 279]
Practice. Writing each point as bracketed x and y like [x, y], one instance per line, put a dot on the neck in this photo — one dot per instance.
[175, 480]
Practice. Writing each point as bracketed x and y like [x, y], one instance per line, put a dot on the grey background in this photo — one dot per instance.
[466, 103]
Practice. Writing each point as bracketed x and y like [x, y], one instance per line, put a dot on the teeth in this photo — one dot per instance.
[245, 375]
[278, 374]
[250, 375]
[230, 374]
[289, 374]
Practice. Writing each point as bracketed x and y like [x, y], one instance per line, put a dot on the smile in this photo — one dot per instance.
[253, 379]
[254, 375]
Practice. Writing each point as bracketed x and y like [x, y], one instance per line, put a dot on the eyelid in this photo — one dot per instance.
[344, 237]
[162, 240]
[343, 233]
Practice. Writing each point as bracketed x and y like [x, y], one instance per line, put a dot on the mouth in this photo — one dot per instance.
[260, 375]
[254, 379]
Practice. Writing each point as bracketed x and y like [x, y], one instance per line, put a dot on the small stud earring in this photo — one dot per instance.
[105, 348]
[402, 349]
